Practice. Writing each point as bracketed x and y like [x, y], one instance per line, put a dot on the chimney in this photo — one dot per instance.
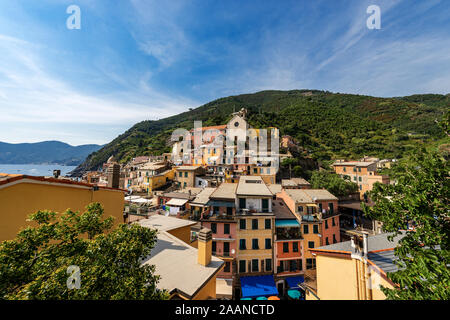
[56, 173]
[204, 246]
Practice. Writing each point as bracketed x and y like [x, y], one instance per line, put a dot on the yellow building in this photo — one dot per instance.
[186, 273]
[185, 175]
[157, 181]
[355, 269]
[21, 195]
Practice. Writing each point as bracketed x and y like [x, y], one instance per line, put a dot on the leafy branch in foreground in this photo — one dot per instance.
[34, 265]
[418, 201]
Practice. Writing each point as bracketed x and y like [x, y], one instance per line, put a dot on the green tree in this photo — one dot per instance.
[333, 183]
[420, 197]
[35, 264]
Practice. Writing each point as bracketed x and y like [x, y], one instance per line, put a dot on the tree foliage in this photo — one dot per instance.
[419, 198]
[333, 183]
[34, 265]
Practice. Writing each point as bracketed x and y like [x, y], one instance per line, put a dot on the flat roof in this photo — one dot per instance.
[309, 195]
[275, 188]
[354, 163]
[164, 223]
[176, 202]
[375, 243]
[225, 191]
[252, 186]
[187, 168]
[6, 179]
[176, 263]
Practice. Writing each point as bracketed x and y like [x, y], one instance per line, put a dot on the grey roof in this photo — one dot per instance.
[376, 242]
[309, 195]
[281, 210]
[384, 260]
[176, 263]
[252, 186]
[203, 197]
[293, 182]
[225, 191]
[354, 163]
[275, 188]
[187, 168]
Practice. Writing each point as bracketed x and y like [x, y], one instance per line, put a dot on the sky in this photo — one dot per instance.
[135, 60]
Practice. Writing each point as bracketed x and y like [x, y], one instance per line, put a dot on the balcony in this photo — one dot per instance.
[223, 254]
[219, 217]
[288, 234]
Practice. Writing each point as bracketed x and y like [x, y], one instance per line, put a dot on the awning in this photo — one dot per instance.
[176, 202]
[257, 286]
[294, 281]
[287, 223]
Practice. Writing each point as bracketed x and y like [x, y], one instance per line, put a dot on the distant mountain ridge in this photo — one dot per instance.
[46, 152]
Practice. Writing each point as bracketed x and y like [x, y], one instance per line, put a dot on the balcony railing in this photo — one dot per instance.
[288, 235]
[219, 217]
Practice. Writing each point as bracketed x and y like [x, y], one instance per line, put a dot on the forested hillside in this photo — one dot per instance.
[327, 125]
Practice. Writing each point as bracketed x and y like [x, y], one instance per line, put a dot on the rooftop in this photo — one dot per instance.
[252, 186]
[375, 243]
[187, 168]
[293, 182]
[203, 197]
[281, 210]
[274, 188]
[6, 179]
[164, 223]
[309, 195]
[354, 163]
[225, 191]
[176, 263]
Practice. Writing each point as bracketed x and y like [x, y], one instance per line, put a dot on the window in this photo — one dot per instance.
[180, 174]
[227, 267]
[344, 169]
[268, 224]
[242, 203]
[359, 169]
[226, 228]
[268, 244]
[268, 264]
[310, 263]
[310, 244]
[185, 174]
[359, 179]
[184, 184]
[242, 224]
[334, 238]
[320, 207]
[254, 224]
[305, 229]
[255, 265]
[333, 222]
[242, 265]
[214, 227]
[295, 247]
[292, 265]
[229, 211]
[214, 247]
[326, 241]
[226, 249]
[354, 178]
[300, 265]
[255, 170]
[360, 187]
[255, 244]
[242, 245]
[316, 229]
[265, 205]
[326, 224]
[285, 247]
[354, 169]
[300, 209]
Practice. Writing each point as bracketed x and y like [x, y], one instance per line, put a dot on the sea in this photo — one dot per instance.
[35, 169]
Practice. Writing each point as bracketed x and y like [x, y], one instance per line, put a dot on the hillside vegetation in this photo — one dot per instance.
[327, 125]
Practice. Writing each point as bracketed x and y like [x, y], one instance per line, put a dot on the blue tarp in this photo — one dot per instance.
[287, 223]
[294, 281]
[257, 286]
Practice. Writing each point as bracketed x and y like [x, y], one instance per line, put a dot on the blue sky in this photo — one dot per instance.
[138, 60]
